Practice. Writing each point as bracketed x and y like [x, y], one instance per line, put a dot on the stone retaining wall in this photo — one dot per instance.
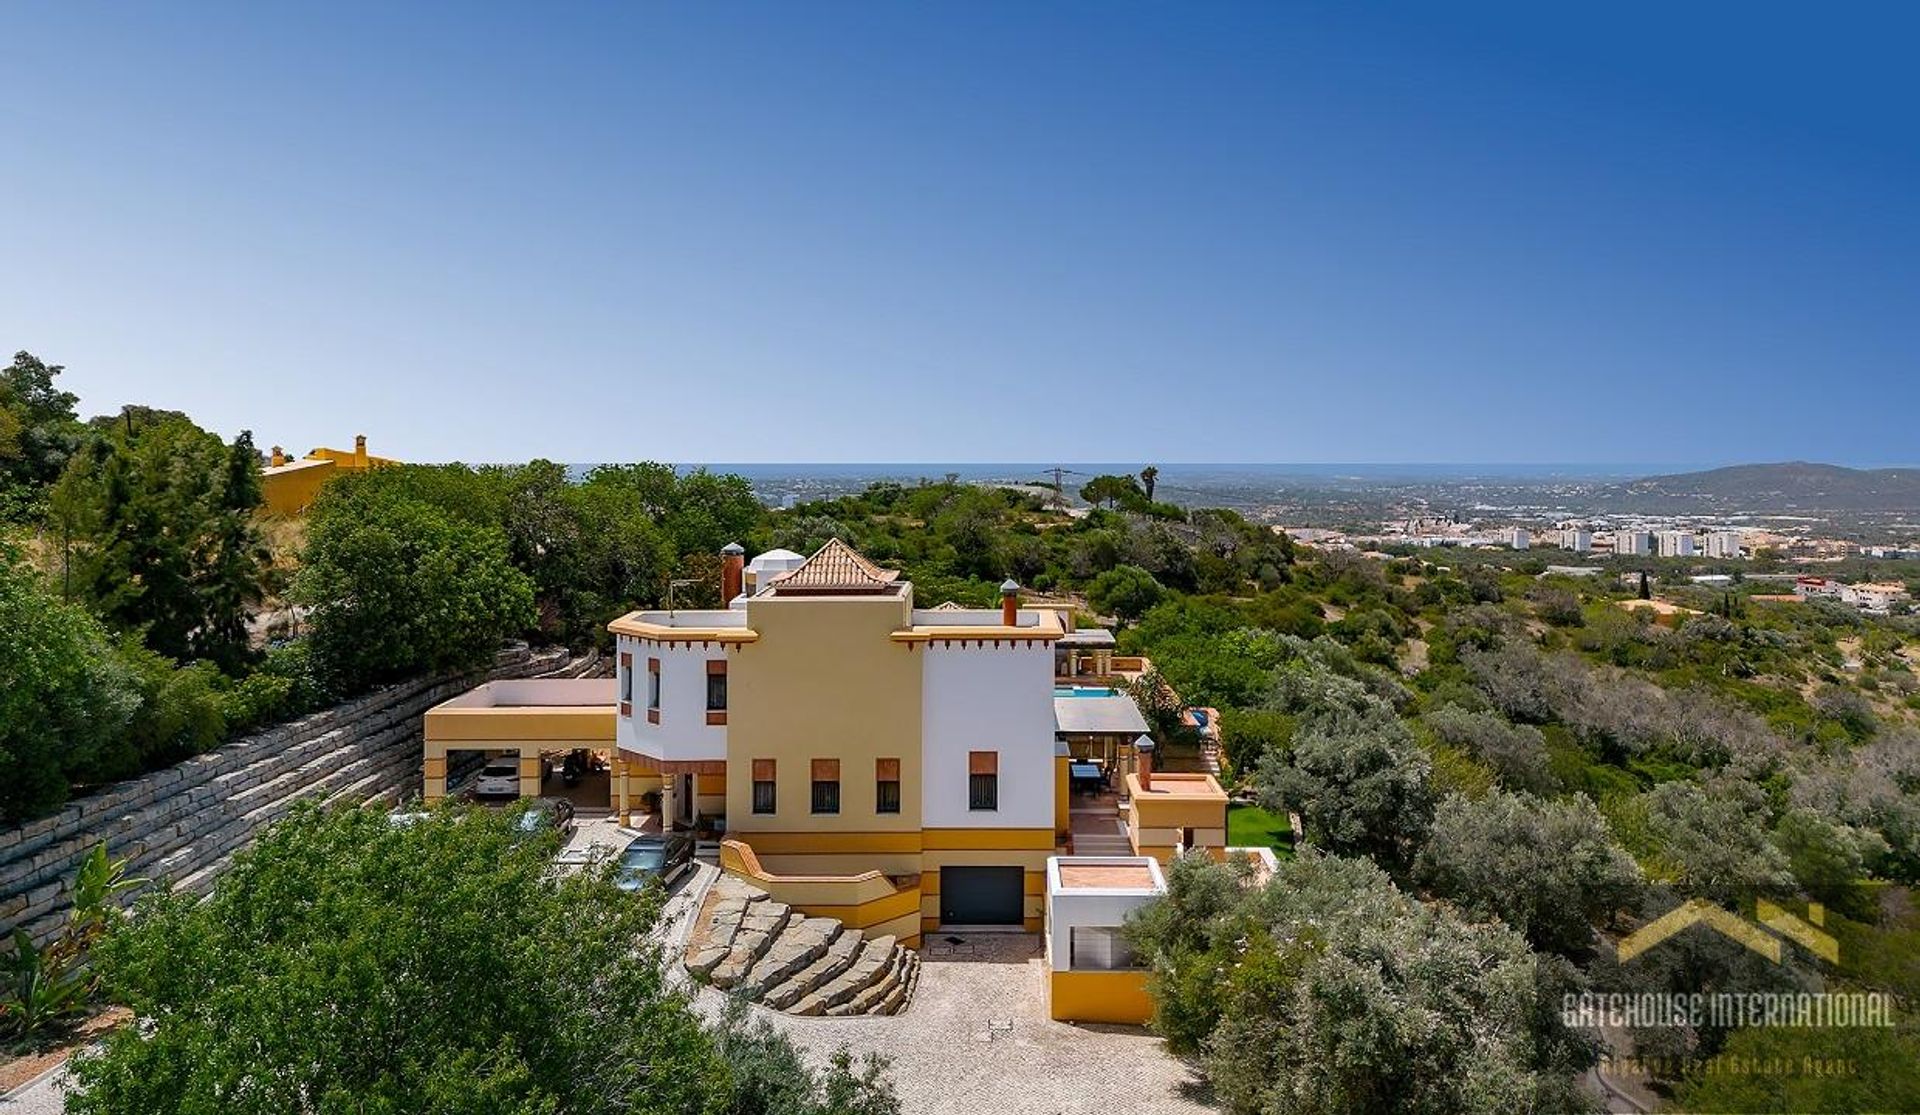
[182, 823]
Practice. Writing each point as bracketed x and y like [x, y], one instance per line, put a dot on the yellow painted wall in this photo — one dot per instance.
[867, 901]
[1156, 817]
[1113, 997]
[824, 680]
[291, 489]
[1062, 802]
[589, 726]
[526, 730]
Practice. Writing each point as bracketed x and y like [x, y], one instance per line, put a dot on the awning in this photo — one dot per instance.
[1098, 716]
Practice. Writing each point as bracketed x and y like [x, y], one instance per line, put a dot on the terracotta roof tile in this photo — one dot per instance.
[835, 567]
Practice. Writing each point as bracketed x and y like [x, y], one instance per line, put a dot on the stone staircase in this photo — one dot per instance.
[183, 824]
[767, 952]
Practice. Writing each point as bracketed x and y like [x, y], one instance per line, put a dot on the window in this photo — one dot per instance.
[826, 785]
[763, 783]
[983, 780]
[626, 684]
[653, 690]
[717, 692]
[886, 786]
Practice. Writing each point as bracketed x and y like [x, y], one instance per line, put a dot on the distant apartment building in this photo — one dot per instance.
[1577, 540]
[1816, 588]
[1676, 543]
[1636, 543]
[1724, 544]
[1519, 539]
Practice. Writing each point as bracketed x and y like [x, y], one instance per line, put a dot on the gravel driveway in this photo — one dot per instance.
[977, 1041]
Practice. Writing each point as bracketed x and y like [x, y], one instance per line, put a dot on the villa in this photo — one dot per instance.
[288, 487]
[904, 770]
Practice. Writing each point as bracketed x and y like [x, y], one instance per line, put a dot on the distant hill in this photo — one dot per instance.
[1792, 486]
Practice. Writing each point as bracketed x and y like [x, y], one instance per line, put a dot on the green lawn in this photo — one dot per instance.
[1250, 826]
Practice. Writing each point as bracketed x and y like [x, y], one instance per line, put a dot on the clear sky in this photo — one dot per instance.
[975, 232]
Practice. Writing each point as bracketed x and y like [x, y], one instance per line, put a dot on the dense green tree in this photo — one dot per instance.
[233, 581]
[1248, 735]
[1516, 753]
[1358, 780]
[1713, 839]
[1114, 491]
[1827, 857]
[346, 964]
[38, 432]
[1549, 869]
[1127, 591]
[64, 698]
[156, 514]
[398, 586]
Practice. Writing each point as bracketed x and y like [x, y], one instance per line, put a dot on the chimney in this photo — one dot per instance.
[733, 568]
[359, 451]
[1143, 752]
[1010, 604]
[279, 456]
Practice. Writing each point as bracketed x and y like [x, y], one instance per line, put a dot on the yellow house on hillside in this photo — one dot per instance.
[290, 486]
[904, 770]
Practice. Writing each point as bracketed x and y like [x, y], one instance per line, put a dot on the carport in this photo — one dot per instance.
[1100, 730]
[525, 717]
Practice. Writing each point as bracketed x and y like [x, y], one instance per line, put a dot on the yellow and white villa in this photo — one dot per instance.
[902, 769]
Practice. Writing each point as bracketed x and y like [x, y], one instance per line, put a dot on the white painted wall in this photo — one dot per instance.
[1103, 908]
[987, 698]
[683, 732]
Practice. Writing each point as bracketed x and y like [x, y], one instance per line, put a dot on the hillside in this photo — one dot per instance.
[1790, 486]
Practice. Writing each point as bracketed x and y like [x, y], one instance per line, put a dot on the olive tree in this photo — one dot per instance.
[1549, 869]
[1328, 991]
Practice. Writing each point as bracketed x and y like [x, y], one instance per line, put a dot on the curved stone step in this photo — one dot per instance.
[870, 998]
[803, 941]
[839, 956]
[762, 923]
[870, 967]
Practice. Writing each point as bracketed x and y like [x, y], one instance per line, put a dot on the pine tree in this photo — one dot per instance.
[231, 583]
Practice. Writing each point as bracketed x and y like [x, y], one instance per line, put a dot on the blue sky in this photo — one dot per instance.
[978, 232]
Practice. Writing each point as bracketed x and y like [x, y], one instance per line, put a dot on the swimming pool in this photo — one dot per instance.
[1084, 691]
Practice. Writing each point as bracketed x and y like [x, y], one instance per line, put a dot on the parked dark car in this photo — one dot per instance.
[655, 856]
[557, 812]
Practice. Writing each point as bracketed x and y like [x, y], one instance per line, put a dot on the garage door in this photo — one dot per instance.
[982, 895]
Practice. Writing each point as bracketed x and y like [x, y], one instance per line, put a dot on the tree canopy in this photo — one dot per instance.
[349, 964]
[1327, 991]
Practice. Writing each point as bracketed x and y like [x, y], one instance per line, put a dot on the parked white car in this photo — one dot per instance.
[499, 778]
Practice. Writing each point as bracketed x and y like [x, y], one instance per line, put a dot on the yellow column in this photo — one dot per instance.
[433, 778]
[1062, 806]
[619, 801]
[530, 775]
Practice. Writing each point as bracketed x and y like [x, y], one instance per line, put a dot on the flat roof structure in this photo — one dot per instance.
[1116, 715]
[1177, 784]
[1106, 874]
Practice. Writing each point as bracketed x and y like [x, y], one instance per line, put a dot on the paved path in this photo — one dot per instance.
[42, 1097]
